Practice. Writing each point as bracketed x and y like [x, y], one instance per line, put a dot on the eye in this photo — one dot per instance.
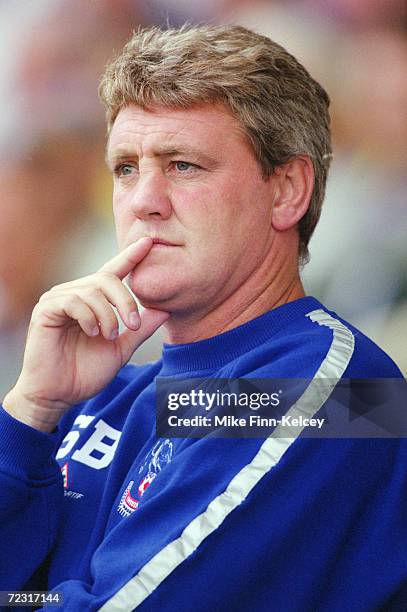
[183, 166]
[124, 170]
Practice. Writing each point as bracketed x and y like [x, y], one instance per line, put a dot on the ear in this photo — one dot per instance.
[295, 182]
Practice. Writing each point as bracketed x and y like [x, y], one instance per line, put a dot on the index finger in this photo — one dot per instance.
[124, 262]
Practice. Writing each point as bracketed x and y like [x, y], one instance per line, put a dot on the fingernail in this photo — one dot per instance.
[95, 331]
[114, 334]
[134, 319]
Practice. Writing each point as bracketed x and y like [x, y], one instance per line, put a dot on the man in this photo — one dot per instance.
[219, 148]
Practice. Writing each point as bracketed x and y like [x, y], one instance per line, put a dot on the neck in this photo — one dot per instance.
[273, 284]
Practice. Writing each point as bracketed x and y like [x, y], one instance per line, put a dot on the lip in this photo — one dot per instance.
[162, 242]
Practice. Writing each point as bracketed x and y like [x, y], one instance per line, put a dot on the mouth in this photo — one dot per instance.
[160, 242]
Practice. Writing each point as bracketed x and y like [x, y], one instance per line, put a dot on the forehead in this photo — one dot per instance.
[210, 126]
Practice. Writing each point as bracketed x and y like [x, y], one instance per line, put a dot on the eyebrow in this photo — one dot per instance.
[180, 151]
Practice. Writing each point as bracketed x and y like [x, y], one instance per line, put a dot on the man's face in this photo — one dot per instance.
[190, 179]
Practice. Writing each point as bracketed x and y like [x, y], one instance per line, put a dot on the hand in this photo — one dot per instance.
[74, 348]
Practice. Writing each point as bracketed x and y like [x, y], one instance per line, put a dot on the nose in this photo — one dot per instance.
[150, 196]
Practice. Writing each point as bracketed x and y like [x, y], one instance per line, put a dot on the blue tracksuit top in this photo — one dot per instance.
[114, 518]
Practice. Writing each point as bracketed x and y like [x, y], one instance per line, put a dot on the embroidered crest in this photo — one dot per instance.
[127, 503]
[155, 461]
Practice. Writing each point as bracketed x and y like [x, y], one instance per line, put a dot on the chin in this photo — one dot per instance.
[154, 290]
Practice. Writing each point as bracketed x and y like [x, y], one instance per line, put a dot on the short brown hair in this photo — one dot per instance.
[283, 110]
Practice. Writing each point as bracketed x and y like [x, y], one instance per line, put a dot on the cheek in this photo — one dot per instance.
[232, 216]
[211, 224]
[122, 222]
[122, 233]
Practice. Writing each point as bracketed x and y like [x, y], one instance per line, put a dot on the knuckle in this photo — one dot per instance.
[104, 276]
[71, 300]
[52, 290]
[92, 292]
[43, 298]
[50, 293]
[36, 311]
[57, 288]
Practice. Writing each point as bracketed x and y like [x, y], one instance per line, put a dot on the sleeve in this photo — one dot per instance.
[30, 501]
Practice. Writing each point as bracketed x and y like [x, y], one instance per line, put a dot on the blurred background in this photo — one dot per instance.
[56, 221]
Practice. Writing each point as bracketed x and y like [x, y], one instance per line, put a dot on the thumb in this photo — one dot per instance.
[129, 340]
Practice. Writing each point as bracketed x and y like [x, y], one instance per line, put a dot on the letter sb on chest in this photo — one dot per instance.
[99, 449]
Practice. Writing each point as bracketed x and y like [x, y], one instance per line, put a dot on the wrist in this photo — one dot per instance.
[43, 415]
